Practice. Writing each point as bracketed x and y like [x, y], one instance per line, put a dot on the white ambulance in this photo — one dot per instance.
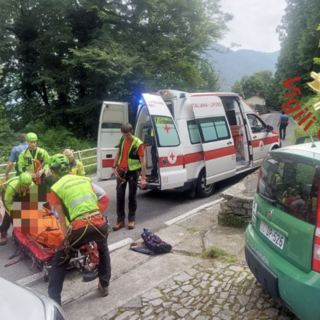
[201, 138]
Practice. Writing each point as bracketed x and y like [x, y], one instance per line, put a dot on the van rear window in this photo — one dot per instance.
[109, 125]
[291, 183]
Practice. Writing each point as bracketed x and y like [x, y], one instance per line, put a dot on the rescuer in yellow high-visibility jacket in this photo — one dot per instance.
[75, 166]
[76, 203]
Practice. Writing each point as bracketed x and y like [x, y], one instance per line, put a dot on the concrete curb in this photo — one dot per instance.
[191, 212]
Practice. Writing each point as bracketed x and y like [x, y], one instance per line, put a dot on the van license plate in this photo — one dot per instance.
[272, 235]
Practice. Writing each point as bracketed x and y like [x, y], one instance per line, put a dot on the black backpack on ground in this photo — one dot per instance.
[152, 244]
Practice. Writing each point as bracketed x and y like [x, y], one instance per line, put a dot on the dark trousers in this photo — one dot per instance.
[283, 127]
[154, 157]
[59, 264]
[131, 178]
[6, 223]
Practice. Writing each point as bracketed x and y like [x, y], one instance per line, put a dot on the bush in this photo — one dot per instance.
[57, 139]
[52, 140]
[231, 220]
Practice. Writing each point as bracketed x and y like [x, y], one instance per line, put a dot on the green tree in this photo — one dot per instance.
[261, 83]
[237, 88]
[299, 44]
[62, 58]
[8, 138]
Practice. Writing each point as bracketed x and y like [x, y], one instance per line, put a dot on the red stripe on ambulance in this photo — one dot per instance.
[219, 153]
[193, 157]
[256, 143]
[164, 162]
[107, 163]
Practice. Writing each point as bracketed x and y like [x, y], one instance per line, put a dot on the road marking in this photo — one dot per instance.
[120, 244]
[192, 212]
[30, 279]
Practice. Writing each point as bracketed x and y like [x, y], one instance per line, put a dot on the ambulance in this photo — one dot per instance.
[201, 138]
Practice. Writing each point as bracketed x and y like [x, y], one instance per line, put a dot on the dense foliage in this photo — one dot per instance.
[62, 58]
[299, 55]
[260, 83]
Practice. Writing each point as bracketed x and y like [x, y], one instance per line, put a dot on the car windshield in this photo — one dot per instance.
[290, 183]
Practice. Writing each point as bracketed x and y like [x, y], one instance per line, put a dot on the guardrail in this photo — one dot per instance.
[87, 161]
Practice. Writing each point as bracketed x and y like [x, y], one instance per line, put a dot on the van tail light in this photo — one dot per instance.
[316, 240]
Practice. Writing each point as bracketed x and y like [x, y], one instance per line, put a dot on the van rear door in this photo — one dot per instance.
[217, 143]
[112, 115]
[173, 173]
[285, 207]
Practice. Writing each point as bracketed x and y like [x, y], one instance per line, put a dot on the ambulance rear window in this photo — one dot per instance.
[214, 129]
[166, 132]
[109, 125]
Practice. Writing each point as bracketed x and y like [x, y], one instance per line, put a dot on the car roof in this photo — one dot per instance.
[30, 307]
[304, 150]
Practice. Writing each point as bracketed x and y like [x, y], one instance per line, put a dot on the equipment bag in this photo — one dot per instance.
[152, 244]
[48, 233]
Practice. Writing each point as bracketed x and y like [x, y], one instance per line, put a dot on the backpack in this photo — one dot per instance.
[48, 232]
[152, 244]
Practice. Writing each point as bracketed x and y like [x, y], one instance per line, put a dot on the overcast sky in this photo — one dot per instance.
[254, 24]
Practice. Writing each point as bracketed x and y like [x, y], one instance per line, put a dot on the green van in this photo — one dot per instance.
[283, 239]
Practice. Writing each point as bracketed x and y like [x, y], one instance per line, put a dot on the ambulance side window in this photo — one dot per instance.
[214, 129]
[194, 133]
[256, 124]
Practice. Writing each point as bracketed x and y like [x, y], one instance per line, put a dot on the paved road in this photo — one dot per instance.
[273, 118]
[154, 208]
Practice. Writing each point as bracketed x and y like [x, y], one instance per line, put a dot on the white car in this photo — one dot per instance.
[18, 303]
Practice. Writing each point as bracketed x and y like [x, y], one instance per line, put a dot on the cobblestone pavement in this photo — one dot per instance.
[212, 290]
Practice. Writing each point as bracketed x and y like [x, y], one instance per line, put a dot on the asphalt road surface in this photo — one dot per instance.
[154, 209]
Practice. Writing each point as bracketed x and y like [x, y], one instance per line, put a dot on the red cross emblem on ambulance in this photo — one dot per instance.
[261, 144]
[167, 128]
[172, 158]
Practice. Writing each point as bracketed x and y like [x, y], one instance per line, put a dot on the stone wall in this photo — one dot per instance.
[237, 200]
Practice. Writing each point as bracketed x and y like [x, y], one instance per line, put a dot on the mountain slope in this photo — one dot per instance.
[233, 65]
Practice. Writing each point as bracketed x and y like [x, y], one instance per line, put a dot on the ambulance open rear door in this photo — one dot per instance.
[173, 173]
[112, 115]
[216, 139]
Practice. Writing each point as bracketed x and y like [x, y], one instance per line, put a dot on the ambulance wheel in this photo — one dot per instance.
[204, 190]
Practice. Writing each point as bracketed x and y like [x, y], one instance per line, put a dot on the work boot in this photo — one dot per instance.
[153, 179]
[118, 226]
[3, 239]
[104, 291]
[131, 225]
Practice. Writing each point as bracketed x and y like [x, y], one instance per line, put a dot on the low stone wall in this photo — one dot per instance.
[237, 202]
